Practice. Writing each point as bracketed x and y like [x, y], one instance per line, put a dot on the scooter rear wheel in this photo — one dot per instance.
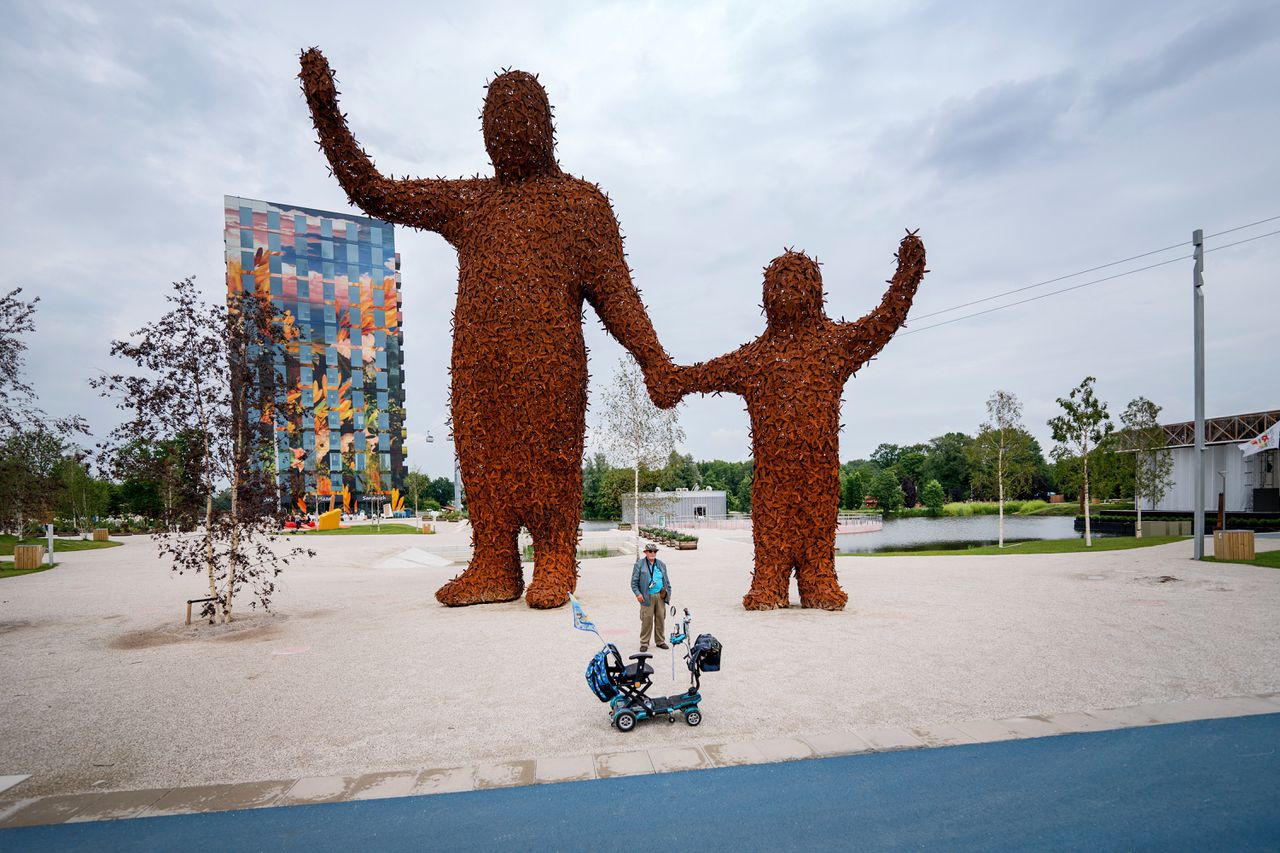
[626, 721]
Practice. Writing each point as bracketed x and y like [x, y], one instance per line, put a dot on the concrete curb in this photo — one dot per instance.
[118, 805]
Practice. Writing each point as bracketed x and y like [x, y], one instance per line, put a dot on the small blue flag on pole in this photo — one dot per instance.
[580, 620]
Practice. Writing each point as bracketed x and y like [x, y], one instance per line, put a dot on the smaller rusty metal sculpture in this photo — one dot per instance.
[792, 377]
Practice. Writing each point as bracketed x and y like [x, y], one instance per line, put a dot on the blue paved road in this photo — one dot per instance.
[1195, 786]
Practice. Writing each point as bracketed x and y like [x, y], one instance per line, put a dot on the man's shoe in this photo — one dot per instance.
[644, 648]
[663, 646]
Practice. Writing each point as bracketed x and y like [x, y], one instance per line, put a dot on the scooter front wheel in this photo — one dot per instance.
[626, 721]
[693, 716]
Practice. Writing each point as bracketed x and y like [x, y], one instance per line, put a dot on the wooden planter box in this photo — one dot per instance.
[1233, 545]
[28, 556]
[100, 534]
[687, 546]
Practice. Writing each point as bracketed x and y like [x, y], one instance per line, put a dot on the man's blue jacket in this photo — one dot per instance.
[642, 578]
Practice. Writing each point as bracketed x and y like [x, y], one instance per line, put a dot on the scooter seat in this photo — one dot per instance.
[633, 671]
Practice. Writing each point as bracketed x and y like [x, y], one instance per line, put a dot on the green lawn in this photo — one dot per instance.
[59, 545]
[1044, 546]
[363, 530]
[1269, 559]
[8, 571]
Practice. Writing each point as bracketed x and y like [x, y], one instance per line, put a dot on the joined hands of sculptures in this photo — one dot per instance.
[533, 243]
[792, 377]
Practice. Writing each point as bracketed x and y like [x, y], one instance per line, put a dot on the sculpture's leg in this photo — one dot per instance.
[816, 578]
[771, 581]
[555, 547]
[494, 572]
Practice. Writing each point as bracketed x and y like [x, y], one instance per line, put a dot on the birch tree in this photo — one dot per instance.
[1153, 463]
[637, 433]
[1083, 425]
[1001, 454]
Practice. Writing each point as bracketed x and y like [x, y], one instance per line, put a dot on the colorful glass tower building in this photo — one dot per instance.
[334, 279]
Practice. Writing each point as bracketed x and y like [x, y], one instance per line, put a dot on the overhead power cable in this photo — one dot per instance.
[1047, 295]
[1095, 269]
[1088, 283]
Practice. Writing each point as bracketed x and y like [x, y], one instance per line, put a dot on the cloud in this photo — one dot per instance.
[1200, 49]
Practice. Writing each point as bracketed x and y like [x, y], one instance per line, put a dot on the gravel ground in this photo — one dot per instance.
[360, 670]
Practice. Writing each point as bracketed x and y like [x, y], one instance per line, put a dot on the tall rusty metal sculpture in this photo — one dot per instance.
[792, 377]
[533, 243]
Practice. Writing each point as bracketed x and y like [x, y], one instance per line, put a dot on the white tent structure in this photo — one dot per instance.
[1250, 483]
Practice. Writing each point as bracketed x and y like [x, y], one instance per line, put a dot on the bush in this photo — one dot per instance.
[888, 493]
[934, 497]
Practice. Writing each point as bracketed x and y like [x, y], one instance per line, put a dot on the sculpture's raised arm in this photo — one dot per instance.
[865, 337]
[428, 204]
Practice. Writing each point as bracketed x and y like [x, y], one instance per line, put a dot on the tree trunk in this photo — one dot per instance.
[208, 539]
[1088, 534]
[635, 498]
[1137, 504]
[1000, 489]
[238, 466]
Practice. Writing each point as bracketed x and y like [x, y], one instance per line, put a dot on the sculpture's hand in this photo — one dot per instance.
[662, 382]
[317, 79]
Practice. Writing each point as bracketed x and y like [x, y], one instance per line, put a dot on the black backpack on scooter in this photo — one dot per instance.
[704, 654]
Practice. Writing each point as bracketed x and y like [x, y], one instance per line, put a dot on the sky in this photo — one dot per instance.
[1024, 141]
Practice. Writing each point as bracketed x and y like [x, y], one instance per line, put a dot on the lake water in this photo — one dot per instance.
[904, 534]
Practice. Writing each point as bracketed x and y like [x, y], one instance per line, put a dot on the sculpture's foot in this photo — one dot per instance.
[758, 599]
[825, 599]
[479, 587]
[544, 594]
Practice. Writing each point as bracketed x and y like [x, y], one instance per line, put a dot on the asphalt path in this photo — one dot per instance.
[1193, 786]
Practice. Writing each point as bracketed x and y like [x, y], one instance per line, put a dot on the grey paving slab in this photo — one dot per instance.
[1133, 715]
[45, 810]
[504, 775]
[1033, 725]
[574, 768]
[1271, 698]
[118, 805]
[318, 789]
[837, 743]
[446, 780]
[1246, 705]
[7, 782]
[886, 738]
[377, 786]
[1079, 721]
[941, 734]
[730, 754]
[667, 759]
[988, 731]
[636, 763]
[217, 798]
[784, 749]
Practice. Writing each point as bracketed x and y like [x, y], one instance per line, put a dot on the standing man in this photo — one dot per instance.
[651, 584]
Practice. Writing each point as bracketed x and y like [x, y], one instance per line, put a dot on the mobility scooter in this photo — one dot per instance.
[625, 686]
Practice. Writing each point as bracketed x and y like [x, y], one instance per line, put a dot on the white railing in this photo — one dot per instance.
[846, 522]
